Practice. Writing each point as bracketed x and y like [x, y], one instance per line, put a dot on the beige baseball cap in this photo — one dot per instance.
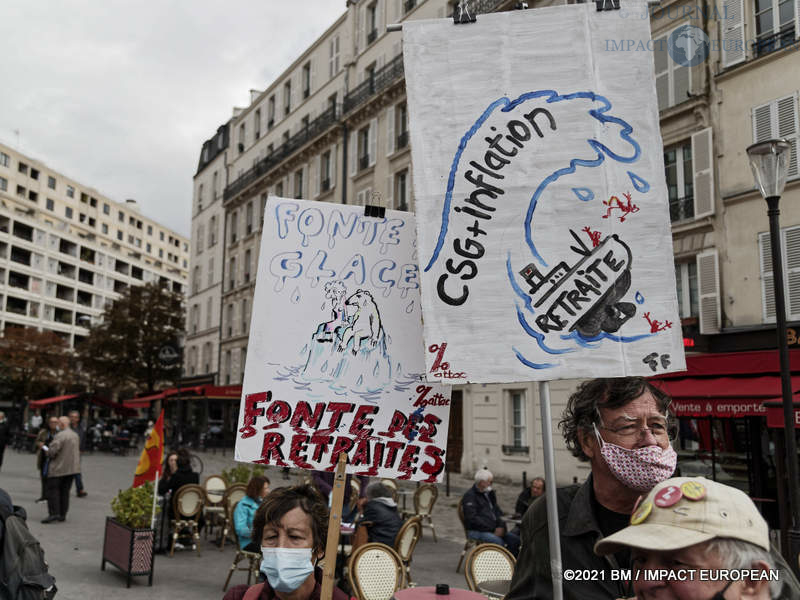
[684, 511]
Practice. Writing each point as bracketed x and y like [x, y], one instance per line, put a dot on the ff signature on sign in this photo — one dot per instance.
[441, 368]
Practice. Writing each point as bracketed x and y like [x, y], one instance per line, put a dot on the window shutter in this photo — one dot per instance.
[788, 128]
[313, 83]
[317, 172]
[682, 84]
[360, 19]
[797, 19]
[390, 130]
[791, 239]
[373, 139]
[661, 60]
[390, 191]
[289, 187]
[353, 158]
[378, 21]
[703, 173]
[762, 123]
[708, 291]
[334, 168]
[767, 284]
[733, 42]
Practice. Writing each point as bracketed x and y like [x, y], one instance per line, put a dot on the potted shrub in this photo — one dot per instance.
[242, 473]
[128, 541]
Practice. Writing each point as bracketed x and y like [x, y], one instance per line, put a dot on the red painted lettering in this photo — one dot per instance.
[396, 424]
[271, 452]
[337, 409]
[391, 453]
[360, 427]
[297, 452]
[433, 468]
[302, 414]
[321, 442]
[408, 461]
[252, 411]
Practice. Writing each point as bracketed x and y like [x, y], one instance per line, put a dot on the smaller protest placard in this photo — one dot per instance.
[335, 357]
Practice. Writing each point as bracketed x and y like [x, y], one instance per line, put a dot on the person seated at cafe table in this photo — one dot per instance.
[380, 510]
[257, 490]
[483, 518]
[292, 527]
[528, 496]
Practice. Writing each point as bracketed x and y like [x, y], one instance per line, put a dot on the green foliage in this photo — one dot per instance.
[242, 473]
[134, 507]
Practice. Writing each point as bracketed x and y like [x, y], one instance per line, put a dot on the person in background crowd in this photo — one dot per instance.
[64, 460]
[80, 429]
[324, 482]
[483, 517]
[170, 465]
[182, 475]
[292, 526]
[381, 510]
[257, 490]
[621, 427]
[5, 432]
[693, 523]
[528, 495]
[36, 420]
[44, 438]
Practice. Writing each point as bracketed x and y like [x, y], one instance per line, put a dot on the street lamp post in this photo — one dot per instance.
[769, 162]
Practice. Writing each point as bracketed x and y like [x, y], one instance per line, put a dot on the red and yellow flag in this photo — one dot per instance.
[152, 455]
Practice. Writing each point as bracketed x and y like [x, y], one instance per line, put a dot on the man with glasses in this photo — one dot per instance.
[621, 427]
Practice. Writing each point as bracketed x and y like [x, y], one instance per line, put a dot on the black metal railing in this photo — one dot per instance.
[363, 162]
[771, 43]
[402, 140]
[326, 184]
[681, 209]
[515, 449]
[375, 84]
[402, 206]
[481, 6]
[372, 36]
[308, 132]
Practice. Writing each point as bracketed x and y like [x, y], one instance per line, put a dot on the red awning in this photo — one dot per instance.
[142, 401]
[774, 409]
[53, 400]
[756, 362]
[223, 392]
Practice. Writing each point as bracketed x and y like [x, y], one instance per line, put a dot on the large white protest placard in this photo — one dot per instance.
[335, 357]
[544, 236]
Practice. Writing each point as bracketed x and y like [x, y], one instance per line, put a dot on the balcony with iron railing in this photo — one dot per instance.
[375, 84]
[363, 162]
[372, 36]
[681, 209]
[402, 140]
[312, 130]
[766, 44]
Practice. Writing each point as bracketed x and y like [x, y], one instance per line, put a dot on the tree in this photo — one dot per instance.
[32, 362]
[123, 348]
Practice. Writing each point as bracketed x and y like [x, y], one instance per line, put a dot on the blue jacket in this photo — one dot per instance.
[243, 520]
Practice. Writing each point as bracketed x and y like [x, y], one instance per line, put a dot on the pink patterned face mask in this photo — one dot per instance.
[640, 469]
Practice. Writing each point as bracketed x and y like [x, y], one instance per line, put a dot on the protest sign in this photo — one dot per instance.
[335, 357]
[544, 234]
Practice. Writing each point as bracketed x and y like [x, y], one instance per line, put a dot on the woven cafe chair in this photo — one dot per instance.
[488, 562]
[375, 572]
[390, 483]
[214, 509]
[233, 493]
[187, 505]
[424, 498]
[404, 543]
[253, 562]
[470, 542]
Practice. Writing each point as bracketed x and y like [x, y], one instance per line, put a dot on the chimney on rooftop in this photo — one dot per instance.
[132, 204]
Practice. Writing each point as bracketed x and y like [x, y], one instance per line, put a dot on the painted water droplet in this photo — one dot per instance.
[640, 184]
[584, 194]
[304, 350]
[410, 307]
[295, 295]
[360, 380]
[322, 307]
[324, 366]
[376, 370]
[639, 298]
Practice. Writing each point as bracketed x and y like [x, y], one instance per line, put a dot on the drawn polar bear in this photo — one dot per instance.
[364, 324]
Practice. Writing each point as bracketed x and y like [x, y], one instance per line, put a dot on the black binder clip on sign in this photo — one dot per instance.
[463, 14]
[607, 4]
[375, 210]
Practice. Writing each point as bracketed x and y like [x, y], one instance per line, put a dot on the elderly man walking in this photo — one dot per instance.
[620, 426]
[64, 458]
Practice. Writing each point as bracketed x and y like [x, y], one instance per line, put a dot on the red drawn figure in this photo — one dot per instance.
[625, 208]
[593, 235]
[656, 325]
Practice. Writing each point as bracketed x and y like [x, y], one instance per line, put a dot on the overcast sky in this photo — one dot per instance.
[119, 95]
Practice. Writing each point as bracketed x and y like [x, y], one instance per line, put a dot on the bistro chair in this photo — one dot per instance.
[375, 572]
[488, 562]
[470, 542]
[233, 494]
[390, 483]
[187, 505]
[424, 499]
[253, 562]
[214, 509]
[405, 542]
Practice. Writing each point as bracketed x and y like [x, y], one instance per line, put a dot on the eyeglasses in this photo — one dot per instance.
[660, 428]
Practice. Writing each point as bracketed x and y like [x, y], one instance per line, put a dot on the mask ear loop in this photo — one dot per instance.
[600, 440]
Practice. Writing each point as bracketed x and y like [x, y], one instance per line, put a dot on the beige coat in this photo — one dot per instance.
[64, 453]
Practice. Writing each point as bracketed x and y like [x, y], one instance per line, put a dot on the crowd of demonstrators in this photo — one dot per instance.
[5, 436]
[380, 511]
[483, 518]
[257, 490]
[63, 462]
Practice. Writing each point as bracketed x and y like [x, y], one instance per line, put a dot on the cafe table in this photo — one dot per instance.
[429, 593]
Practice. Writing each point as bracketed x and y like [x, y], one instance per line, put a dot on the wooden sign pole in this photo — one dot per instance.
[334, 523]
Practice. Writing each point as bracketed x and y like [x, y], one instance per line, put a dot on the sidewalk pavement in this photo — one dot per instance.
[74, 548]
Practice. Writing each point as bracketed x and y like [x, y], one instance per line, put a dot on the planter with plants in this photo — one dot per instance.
[128, 541]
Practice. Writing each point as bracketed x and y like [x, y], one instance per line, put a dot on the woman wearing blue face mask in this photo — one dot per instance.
[245, 511]
[292, 524]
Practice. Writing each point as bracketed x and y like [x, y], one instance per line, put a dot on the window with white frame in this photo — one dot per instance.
[686, 285]
[242, 361]
[70, 191]
[306, 79]
[227, 367]
[790, 254]
[232, 273]
[211, 271]
[234, 226]
[325, 170]
[401, 190]
[247, 255]
[333, 56]
[215, 186]
[3, 184]
[256, 126]
[673, 81]
[271, 111]
[5, 159]
[207, 357]
[679, 174]
[245, 316]
[371, 22]
[778, 119]
[516, 433]
[775, 25]
[242, 139]
[209, 312]
[298, 184]
[287, 97]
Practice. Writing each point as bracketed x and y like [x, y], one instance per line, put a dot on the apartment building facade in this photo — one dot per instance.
[333, 127]
[66, 249]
